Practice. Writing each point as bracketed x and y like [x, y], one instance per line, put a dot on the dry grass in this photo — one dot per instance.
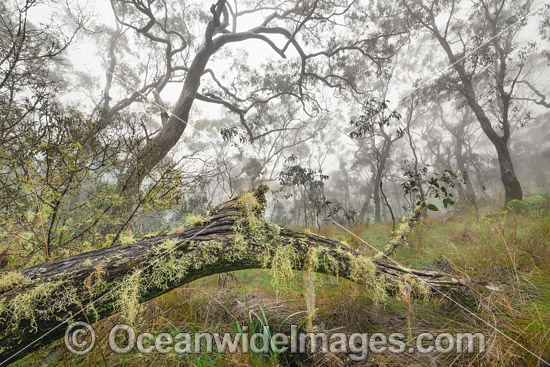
[509, 252]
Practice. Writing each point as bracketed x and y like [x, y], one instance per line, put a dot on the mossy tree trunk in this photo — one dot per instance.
[37, 303]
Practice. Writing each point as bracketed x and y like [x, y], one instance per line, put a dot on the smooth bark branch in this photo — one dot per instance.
[220, 33]
[542, 98]
[40, 301]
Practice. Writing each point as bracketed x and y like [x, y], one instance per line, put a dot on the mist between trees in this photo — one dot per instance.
[330, 103]
[336, 106]
[131, 118]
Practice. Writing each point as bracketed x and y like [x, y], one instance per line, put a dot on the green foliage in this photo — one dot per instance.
[420, 185]
[376, 114]
[535, 205]
[535, 200]
[307, 187]
[432, 207]
[516, 205]
[230, 133]
[57, 192]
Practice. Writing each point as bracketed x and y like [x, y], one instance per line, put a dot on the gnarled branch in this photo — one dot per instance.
[37, 302]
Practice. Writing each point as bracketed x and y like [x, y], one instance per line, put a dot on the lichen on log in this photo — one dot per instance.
[37, 302]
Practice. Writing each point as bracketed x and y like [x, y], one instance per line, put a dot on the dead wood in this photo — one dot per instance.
[37, 303]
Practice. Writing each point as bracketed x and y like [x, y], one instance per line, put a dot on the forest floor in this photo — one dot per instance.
[509, 253]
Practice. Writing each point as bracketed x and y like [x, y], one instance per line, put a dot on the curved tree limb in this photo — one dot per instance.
[542, 98]
[37, 303]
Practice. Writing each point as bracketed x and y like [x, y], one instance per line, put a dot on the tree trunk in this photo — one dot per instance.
[35, 303]
[376, 198]
[159, 146]
[368, 195]
[465, 193]
[512, 187]
[379, 173]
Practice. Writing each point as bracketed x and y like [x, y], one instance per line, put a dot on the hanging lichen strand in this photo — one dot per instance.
[235, 236]
[282, 255]
[256, 242]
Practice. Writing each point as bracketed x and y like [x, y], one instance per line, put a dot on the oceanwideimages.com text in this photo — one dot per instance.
[80, 339]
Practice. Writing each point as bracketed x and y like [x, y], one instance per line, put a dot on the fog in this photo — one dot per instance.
[269, 102]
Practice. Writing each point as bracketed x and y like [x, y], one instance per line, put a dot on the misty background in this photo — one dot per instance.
[127, 115]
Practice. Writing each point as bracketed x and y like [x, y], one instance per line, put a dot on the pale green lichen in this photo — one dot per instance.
[37, 301]
[207, 253]
[310, 281]
[169, 270]
[412, 287]
[323, 260]
[150, 235]
[166, 246]
[402, 233]
[240, 246]
[282, 263]
[3, 308]
[25, 305]
[127, 295]
[196, 220]
[250, 207]
[172, 266]
[11, 280]
[362, 270]
[95, 284]
[126, 238]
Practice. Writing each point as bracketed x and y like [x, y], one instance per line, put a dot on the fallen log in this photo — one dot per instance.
[37, 303]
